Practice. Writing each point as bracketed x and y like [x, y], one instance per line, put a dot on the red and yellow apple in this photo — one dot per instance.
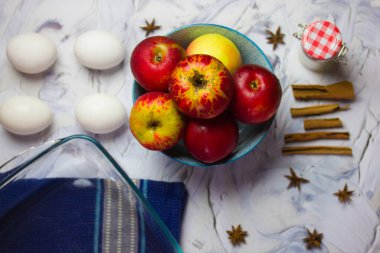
[210, 140]
[155, 121]
[201, 86]
[218, 46]
[257, 94]
[153, 60]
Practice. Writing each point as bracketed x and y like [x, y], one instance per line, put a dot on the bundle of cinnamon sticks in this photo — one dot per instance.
[337, 91]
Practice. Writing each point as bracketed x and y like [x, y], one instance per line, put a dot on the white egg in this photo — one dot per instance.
[100, 113]
[99, 50]
[25, 115]
[31, 53]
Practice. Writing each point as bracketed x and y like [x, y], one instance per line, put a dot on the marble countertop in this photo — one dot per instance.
[252, 191]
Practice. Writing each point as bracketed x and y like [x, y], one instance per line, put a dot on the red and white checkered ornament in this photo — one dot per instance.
[321, 40]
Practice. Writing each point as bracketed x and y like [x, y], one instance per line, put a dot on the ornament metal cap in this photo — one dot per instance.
[321, 41]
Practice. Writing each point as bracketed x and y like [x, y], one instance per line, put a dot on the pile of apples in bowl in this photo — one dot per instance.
[203, 95]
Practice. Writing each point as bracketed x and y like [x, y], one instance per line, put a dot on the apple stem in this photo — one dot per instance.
[253, 85]
[158, 57]
[198, 80]
[154, 124]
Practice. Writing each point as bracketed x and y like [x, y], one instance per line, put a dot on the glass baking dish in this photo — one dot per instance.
[77, 165]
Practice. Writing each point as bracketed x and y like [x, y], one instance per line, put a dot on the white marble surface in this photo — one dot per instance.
[252, 191]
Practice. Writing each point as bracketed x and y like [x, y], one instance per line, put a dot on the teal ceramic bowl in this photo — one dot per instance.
[249, 135]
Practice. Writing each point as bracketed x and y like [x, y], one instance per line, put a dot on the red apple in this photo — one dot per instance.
[201, 86]
[153, 60]
[210, 140]
[155, 121]
[257, 94]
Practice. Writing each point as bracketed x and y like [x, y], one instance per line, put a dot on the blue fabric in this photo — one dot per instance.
[169, 199]
[169, 203]
[61, 215]
[28, 217]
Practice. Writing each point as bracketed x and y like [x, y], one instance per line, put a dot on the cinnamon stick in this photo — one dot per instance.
[316, 110]
[310, 124]
[316, 150]
[337, 91]
[310, 136]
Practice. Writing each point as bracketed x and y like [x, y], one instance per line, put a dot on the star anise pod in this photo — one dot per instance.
[313, 240]
[344, 195]
[275, 38]
[150, 27]
[237, 235]
[295, 181]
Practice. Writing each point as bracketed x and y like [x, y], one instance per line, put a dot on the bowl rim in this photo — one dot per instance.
[53, 144]
[262, 137]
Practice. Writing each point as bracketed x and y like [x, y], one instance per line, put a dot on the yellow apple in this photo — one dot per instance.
[218, 46]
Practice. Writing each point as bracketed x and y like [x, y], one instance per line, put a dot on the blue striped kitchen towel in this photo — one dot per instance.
[67, 215]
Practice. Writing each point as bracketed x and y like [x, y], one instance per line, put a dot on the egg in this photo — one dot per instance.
[31, 53]
[99, 50]
[25, 115]
[100, 113]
